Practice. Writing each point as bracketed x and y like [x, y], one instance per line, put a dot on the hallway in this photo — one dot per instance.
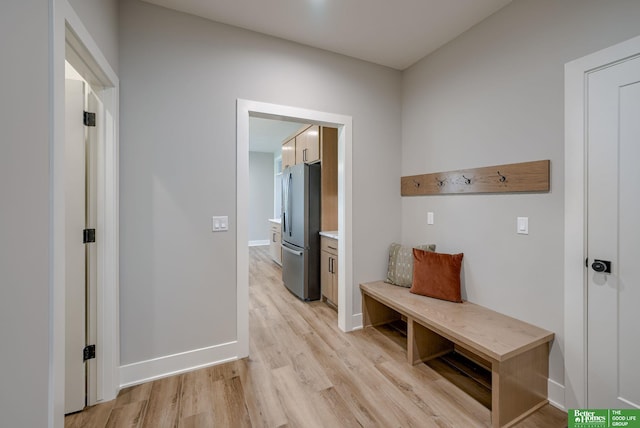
[302, 372]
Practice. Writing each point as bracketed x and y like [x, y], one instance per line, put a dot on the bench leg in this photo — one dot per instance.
[519, 386]
[375, 313]
[423, 344]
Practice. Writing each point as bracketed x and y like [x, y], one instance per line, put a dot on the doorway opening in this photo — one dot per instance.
[245, 110]
[101, 302]
[275, 147]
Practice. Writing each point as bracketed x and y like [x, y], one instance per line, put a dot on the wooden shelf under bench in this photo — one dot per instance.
[517, 353]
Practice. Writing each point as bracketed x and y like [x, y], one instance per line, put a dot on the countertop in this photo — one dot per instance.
[333, 234]
[275, 220]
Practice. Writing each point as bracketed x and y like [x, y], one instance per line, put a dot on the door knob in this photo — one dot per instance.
[601, 266]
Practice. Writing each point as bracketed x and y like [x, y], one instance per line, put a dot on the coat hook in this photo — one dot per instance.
[440, 182]
[416, 183]
[466, 180]
[502, 177]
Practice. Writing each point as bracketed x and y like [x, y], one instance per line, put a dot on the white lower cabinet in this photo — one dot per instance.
[274, 244]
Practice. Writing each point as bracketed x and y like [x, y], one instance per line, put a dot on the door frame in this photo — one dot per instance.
[575, 215]
[245, 109]
[70, 39]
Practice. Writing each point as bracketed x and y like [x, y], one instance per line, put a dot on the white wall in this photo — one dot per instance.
[24, 213]
[261, 182]
[101, 19]
[180, 79]
[26, 232]
[496, 95]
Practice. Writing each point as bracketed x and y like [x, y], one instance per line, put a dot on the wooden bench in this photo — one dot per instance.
[517, 353]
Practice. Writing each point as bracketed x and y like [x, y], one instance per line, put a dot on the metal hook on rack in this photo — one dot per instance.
[440, 182]
[502, 178]
[466, 180]
[416, 183]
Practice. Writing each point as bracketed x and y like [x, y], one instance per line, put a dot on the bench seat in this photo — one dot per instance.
[516, 352]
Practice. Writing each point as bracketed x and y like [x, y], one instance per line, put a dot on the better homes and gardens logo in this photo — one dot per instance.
[588, 418]
[603, 418]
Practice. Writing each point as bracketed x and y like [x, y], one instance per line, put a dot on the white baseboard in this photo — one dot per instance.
[555, 392]
[356, 322]
[259, 243]
[156, 368]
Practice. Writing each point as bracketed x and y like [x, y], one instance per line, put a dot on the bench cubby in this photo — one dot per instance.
[516, 352]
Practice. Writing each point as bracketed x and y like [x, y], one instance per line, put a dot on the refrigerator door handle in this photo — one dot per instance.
[285, 205]
[289, 200]
[289, 250]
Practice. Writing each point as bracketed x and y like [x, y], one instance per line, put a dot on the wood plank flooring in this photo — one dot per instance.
[302, 372]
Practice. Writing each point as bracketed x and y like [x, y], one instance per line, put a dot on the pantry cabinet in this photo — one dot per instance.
[329, 178]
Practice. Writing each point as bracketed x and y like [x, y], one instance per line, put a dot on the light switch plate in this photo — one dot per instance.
[429, 217]
[523, 225]
[220, 223]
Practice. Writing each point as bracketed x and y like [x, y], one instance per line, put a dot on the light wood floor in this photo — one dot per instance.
[302, 372]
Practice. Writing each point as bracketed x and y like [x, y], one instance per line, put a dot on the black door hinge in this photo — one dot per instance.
[88, 235]
[89, 119]
[88, 353]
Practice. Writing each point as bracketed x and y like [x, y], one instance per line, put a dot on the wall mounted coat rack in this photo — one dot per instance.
[509, 178]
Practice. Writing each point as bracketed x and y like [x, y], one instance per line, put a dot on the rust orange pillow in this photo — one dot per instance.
[437, 275]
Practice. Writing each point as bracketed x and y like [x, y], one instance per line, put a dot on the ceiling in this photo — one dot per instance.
[393, 33]
[267, 135]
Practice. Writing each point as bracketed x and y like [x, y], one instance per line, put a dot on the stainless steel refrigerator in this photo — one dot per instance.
[300, 230]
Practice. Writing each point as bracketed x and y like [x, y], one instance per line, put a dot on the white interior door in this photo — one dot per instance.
[75, 205]
[613, 318]
[93, 146]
